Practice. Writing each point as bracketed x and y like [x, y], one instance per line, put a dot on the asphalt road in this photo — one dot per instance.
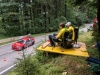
[86, 28]
[8, 56]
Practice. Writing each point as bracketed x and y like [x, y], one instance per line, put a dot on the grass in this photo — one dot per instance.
[13, 73]
[3, 37]
[56, 64]
[89, 40]
[6, 42]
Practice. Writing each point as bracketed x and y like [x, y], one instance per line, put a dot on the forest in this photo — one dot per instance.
[20, 17]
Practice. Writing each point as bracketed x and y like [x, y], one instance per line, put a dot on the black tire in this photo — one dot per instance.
[22, 48]
[32, 43]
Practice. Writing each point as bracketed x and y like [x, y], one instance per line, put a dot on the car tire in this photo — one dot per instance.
[22, 48]
[32, 43]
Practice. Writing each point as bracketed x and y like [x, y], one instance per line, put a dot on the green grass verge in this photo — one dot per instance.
[56, 64]
[6, 42]
[3, 37]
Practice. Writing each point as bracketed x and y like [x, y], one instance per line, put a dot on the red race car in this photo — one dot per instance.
[23, 43]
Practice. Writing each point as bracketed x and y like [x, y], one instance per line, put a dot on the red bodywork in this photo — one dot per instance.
[23, 43]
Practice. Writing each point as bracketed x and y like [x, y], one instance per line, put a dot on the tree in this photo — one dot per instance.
[98, 15]
[90, 3]
[20, 17]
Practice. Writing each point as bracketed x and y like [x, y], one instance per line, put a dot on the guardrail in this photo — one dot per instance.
[11, 39]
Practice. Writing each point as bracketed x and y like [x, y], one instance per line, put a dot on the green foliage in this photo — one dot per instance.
[37, 64]
[23, 17]
[97, 37]
[61, 19]
[81, 12]
[27, 65]
[41, 57]
[40, 16]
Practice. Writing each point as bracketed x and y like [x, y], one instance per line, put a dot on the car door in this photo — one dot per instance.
[27, 44]
[32, 41]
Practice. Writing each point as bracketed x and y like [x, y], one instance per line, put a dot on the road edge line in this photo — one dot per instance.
[7, 69]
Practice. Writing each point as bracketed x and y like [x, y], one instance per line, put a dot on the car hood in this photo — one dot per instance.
[18, 44]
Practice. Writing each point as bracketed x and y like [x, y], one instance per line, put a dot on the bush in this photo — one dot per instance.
[27, 65]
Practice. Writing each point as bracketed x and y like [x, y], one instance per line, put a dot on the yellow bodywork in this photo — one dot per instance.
[73, 51]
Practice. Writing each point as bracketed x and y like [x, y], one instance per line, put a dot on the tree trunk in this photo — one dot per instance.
[56, 12]
[33, 8]
[98, 16]
[65, 8]
[49, 14]
[44, 10]
[31, 15]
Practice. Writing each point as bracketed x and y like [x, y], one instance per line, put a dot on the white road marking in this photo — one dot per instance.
[1, 73]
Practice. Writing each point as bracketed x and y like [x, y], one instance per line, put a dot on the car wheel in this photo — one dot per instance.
[32, 43]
